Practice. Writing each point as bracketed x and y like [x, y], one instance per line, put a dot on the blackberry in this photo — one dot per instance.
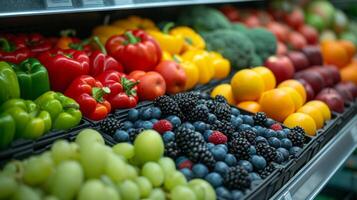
[168, 106]
[260, 118]
[239, 147]
[133, 133]
[210, 105]
[220, 99]
[266, 171]
[186, 101]
[199, 113]
[224, 127]
[223, 111]
[237, 178]
[249, 135]
[268, 152]
[297, 136]
[171, 150]
[110, 125]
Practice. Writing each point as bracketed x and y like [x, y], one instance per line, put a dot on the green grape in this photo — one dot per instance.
[154, 173]
[14, 168]
[111, 193]
[37, 169]
[144, 185]
[8, 186]
[129, 190]
[92, 190]
[182, 192]
[115, 168]
[202, 189]
[124, 149]
[93, 159]
[67, 180]
[88, 137]
[135, 161]
[131, 172]
[168, 166]
[148, 146]
[63, 150]
[25, 193]
[177, 178]
[158, 194]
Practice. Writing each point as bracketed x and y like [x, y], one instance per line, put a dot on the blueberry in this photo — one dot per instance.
[269, 122]
[280, 134]
[244, 127]
[261, 139]
[187, 173]
[254, 176]
[221, 168]
[258, 162]
[154, 120]
[199, 170]
[286, 143]
[147, 125]
[180, 159]
[146, 114]
[168, 136]
[214, 179]
[223, 146]
[294, 151]
[175, 121]
[252, 150]
[284, 152]
[133, 114]
[286, 131]
[230, 159]
[253, 129]
[138, 124]
[235, 111]
[156, 113]
[211, 118]
[188, 125]
[206, 134]
[247, 119]
[279, 157]
[237, 195]
[260, 130]
[236, 121]
[121, 136]
[127, 125]
[218, 153]
[210, 145]
[223, 193]
[200, 126]
[274, 142]
[246, 165]
[269, 133]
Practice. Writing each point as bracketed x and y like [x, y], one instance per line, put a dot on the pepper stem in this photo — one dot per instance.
[68, 32]
[128, 85]
[131, 38]
[5, 45]
[99, 44]
[167, 27]
[176, 59]
[98, 93]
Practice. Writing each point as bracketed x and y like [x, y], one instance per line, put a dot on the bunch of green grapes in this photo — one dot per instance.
[87, 169]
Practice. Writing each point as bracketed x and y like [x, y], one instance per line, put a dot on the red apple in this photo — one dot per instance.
[279, 30]
[332, 98]
[344, 92]
[313, 78]
[252, 21]
[299, 60]
[282, 49]
[230, 12]
[151, 84]
[352, 87]
[335, 73]
[296, 40]
[313, 54]
[310, 34]
[310, 94]
[174, 75]
[281, 67]
[326, 75]
[295, 19]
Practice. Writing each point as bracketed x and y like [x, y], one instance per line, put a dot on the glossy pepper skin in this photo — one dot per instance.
[135, 22]
[9, 85]
[64, 66]
[170, 43]
[35, 42]
[135, 49]
[32, 77]
[7, 129]
[123, 90]
[88, 93]
[9, 52]
[104, 32]
[203, 61]
[64, 111]
[192, 39]
[30, 121]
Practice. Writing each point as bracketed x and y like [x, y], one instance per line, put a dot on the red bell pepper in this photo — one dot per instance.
[88, 92]
[123, 90]
[35, 42]
[101, 62]
[10, 52]
[135, 49]
[64, 66]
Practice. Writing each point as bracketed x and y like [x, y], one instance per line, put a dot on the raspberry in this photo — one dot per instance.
[276, 127]
[185, 164]
[162, 126]
[217, 138]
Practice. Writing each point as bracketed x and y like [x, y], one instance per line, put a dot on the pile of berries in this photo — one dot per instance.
[211, 140]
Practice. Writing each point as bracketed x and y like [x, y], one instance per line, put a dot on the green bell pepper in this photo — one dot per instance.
[9, 86]
[64, 111]
[33, 78]
[7, 129]
[31, 122]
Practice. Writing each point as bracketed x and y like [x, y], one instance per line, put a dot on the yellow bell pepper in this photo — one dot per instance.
[166, 56]
[192, 39]
[104, 32]
[170, 43]
[135, 22]
[222, 66]
[191, 70]
[203, 61]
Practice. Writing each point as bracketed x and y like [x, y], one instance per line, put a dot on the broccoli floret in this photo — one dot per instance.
[239, 27]
[256, 61]
[234, 46]
[203, 19]
[264, 41]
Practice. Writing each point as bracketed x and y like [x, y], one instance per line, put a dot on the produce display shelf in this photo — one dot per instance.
[16, 8]
[311, 179]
